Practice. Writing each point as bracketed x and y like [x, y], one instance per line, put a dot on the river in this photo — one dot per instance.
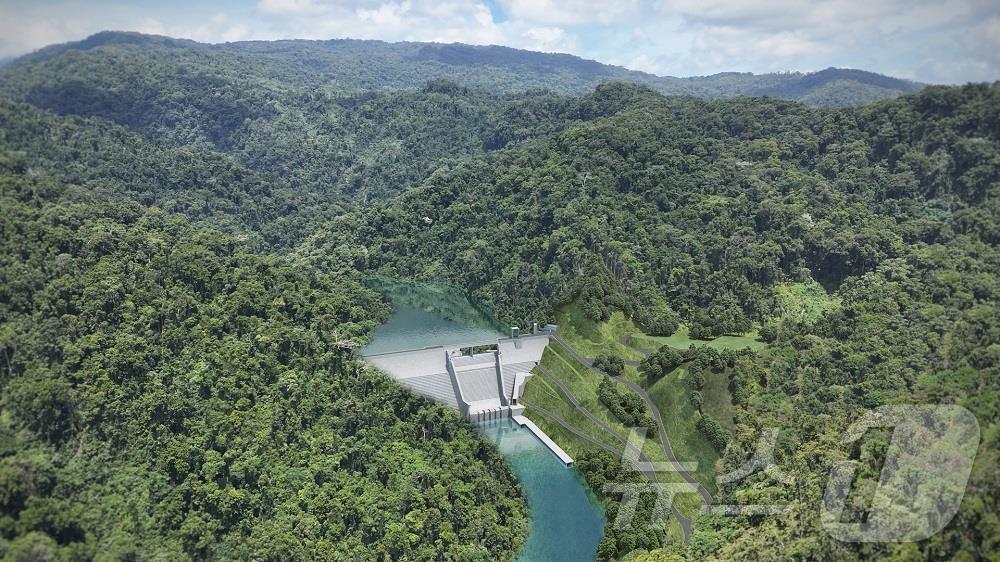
[567, 522]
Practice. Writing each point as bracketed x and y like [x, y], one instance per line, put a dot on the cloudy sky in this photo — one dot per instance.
[941, 41]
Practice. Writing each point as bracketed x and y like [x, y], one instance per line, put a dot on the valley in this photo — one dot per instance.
[203, 245]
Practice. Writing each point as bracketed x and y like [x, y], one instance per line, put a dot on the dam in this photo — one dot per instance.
[443, 346]
[481, 379]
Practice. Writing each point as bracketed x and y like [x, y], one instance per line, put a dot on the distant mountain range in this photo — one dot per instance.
[358, 65]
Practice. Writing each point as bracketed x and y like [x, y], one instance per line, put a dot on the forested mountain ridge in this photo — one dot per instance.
[275, 179]
[346, 65]
[711, 201]
[179, 294]
[167, 394]
[678, 209]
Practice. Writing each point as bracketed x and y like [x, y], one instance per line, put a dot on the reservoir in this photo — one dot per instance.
[567, 522]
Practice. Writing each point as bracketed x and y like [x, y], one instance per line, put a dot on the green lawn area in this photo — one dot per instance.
[591, 338]
[680, 419]
[569, 442]
[804, 301]
[582, 382]
[680, 340]
[717, 401]
[540, 392]
[670, 393]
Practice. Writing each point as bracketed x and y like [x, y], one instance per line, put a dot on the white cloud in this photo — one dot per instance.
[789, 44]
[642, 62]
[403, 20]
[295, 7]
[218, 28]
[24, 29]
[707, 36]
[548, 39]
[984, 39]
[30, 27]
[571, 12]
[931, 40]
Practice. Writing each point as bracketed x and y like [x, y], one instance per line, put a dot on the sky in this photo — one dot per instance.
[936, 41]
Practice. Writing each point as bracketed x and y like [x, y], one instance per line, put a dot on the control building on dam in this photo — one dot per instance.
[482, 380]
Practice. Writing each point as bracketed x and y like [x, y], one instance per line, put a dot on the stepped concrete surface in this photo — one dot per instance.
[479, 384]
[510, 370]
[413, 363]
[483, 386]
[436, 387]
[523, 349]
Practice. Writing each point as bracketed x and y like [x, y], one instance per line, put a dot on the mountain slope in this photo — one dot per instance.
[356, 65]
[271, 175]
[706, 208]
[186, 391]
[167, 394]
[700, 199]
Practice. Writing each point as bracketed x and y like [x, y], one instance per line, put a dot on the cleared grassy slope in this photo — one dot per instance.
[681, 340]
[591, 338]
[582, 383]
[680, 421]
[804, 302]
[622, 337]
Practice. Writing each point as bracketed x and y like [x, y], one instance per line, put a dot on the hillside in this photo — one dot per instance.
[347, 65]
[699, 212]
[168, 394]
[700, 199]
[186, 228]
[274, 177]
[340, 121]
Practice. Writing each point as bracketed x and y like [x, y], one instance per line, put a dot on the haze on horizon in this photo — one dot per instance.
[950, 41]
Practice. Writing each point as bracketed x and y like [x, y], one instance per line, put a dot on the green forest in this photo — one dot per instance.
[189, 235]
[357, 66]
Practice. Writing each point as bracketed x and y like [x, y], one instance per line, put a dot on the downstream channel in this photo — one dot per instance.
[567, 522]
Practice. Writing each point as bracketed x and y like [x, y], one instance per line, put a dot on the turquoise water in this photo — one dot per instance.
[413, 328]
[566, 523]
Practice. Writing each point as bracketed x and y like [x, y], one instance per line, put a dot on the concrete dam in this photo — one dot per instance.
[483, 380]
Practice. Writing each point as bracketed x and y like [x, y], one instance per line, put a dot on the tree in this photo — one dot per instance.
[660, 363]
[696, 400]
[610, 364]
[710, 427]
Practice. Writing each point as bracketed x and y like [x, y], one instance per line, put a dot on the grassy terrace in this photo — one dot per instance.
[621, 336]
[547, 395]
[589, 338]
[716, 399]
[582, 382]
[680, 340]
[680, 419]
